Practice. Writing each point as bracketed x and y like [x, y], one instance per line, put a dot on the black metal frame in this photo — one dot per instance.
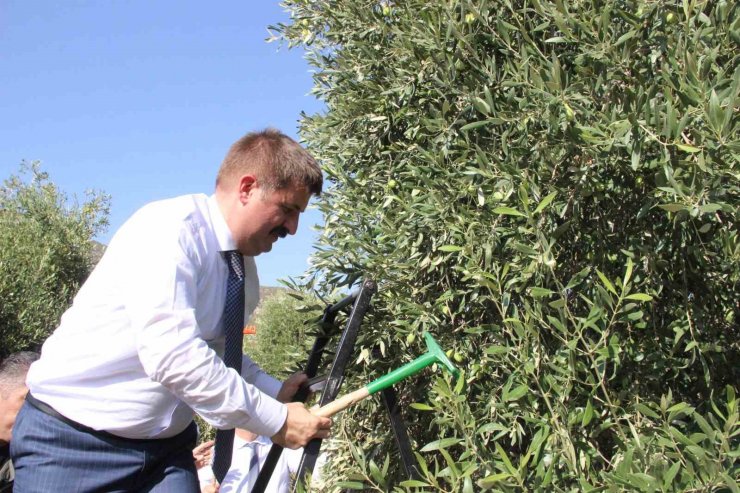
[360, 301]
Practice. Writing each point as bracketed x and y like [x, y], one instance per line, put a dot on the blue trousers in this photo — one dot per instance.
[50, 455]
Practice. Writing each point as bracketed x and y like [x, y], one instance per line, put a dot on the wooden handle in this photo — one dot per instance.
[341, 404]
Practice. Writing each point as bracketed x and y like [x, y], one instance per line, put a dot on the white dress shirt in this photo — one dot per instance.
[241, 478]
[139, 349]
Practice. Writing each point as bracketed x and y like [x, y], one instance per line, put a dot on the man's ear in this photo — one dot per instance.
[247, 186]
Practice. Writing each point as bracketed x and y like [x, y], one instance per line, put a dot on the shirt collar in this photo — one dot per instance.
[220, 228]
[240, 443]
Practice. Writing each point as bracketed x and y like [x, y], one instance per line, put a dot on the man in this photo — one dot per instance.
[112, 398]
[12, 394]
[250, 453]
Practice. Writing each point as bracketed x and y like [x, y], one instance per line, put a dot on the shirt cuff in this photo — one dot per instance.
[268, 416]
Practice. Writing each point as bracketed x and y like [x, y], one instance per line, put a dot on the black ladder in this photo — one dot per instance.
[360, 301]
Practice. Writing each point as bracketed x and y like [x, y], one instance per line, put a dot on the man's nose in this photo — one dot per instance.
[291, 223]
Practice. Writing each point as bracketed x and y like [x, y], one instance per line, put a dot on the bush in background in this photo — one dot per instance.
[46, 252]
[551, 189]
[283, 339]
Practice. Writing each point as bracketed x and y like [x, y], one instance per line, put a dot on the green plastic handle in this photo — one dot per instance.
[399, 374]
[433, 355]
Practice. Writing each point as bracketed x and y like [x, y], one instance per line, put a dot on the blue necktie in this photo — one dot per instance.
[233, 324]
[254, 466]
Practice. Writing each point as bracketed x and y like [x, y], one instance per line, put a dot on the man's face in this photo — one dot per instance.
[265, 216]
[8, 411]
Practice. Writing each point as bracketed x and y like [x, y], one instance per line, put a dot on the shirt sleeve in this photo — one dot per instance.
[252, 373]
[173, 353]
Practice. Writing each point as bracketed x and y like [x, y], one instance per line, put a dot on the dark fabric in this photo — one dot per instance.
[51, 455]
[233, 323]
[6, 470]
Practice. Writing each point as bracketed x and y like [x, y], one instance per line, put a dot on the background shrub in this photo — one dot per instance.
[551, 189]
[284, 334]
[46, 252]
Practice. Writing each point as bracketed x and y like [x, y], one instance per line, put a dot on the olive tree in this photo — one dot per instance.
[551, 190]
[46, 252]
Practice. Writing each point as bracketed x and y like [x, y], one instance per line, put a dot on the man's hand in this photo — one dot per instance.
[211, 487]
[202, 454]
[301, 427]
[290, 386]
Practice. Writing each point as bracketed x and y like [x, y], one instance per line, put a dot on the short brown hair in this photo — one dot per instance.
[276, 160]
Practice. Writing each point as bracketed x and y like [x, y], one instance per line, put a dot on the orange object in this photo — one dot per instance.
[250, 329]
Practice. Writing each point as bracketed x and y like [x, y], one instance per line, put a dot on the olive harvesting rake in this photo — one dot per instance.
[329, 385]
[433, 355]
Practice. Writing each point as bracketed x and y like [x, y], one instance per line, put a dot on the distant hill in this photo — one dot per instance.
[266, 292]
[98, 249]
[270, 291]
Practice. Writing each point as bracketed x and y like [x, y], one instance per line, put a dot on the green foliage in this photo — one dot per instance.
[551, 189]
[283, 339]
[46, 251]
[205, 431]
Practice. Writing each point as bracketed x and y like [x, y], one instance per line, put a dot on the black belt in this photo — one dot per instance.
[47, 409]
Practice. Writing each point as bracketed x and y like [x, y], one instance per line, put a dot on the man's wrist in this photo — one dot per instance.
[267, 418]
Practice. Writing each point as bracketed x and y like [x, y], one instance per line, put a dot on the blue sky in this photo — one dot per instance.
[142, 99]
